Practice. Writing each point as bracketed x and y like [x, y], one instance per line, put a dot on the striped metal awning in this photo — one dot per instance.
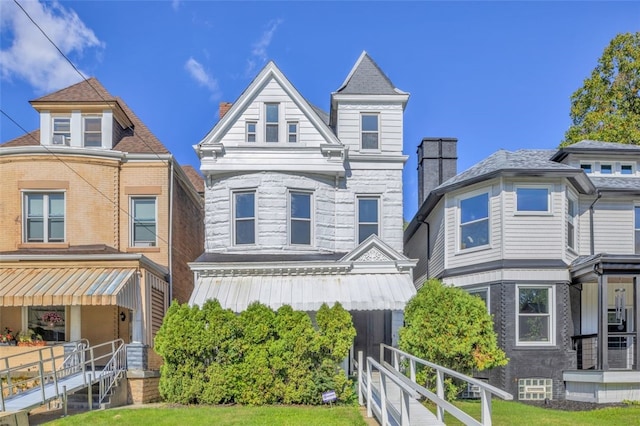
[356, 292]
[68, 286]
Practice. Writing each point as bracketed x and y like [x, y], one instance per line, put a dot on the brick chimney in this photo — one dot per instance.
[224, 108]
[437, 162]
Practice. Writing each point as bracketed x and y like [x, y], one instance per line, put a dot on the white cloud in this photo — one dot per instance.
[175, 4]
[31, 56]
[198, 73]
[259, 51]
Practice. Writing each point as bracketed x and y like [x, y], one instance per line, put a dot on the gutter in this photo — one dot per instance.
[170, 265]
[591, 236]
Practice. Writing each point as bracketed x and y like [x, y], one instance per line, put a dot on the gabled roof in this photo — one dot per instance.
[373, 249]
[195, 178]
[366, 78]
[596, 147]
[140, 139]
[610, 183]
[270, 71]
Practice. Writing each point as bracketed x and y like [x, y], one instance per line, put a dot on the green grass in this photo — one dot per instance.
[219, 416]
[507, 413]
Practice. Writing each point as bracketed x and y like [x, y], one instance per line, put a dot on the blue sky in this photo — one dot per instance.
[493, 74]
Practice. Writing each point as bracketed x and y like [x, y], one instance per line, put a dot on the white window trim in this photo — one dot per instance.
[311, 218]
[574, 221]
[132, 218]
[45, 217]
[266, 123]
[552, 315]
[378, 198]
[84, 130]
[475, 290]
[297, 132]
[255, 216]
[548, 212]
[254, 133]
[459, 200]
[362, 148]
[67, 139]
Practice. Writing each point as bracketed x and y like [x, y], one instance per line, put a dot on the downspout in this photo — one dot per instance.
[171, 230]
[591, 237]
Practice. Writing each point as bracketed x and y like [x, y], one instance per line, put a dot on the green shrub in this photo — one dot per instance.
[259, 357]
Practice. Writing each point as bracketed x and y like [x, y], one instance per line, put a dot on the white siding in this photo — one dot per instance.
[289, 111]
[534, 236]
[613, 226]
[348, 126]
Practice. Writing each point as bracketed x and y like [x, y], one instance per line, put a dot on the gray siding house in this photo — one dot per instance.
[304, 207]
[550, 240]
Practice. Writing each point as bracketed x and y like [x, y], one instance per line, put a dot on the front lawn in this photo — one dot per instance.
[506, 413]
[220, 416]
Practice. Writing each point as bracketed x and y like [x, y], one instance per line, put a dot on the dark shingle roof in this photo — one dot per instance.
[367, 79]
[604, 146]
[616, 183]
[324, 116]
[524, 159]
[29, 139]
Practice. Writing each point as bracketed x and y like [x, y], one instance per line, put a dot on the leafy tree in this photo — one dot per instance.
[448, 326]
[607, 106]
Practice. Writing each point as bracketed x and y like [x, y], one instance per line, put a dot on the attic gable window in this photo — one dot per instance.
[292, 131]
[61, 131]
[92, 132]
[370, 134]
[251, 131]
[272, 118]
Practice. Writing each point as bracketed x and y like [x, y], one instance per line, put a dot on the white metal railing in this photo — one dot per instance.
[51, 368]
[409, 388]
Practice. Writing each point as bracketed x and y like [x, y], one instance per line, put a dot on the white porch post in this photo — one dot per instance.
[137, 333]
[636, 323]
[397, 320]
[75, 323]
[603, 330]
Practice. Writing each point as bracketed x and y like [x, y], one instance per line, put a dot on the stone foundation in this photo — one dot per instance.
[143, 387]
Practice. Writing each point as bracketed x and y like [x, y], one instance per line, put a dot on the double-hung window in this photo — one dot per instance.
[292, 131]
[474, 221]
[637, 228]
[300, 216]
[534, 315]
[92, 131]
[271, 125]
[61, 131]
[532, 200]
[482, 293]
[143, 221]
[369, 126]
[571, 223]
[368, 217]
[244, 217]
[44, 217]
[251, 131]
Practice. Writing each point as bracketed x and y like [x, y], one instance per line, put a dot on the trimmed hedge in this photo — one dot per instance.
[213, 356]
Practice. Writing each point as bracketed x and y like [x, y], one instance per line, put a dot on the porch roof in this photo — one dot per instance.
[33, 286]
[355, 291]
[587, 268]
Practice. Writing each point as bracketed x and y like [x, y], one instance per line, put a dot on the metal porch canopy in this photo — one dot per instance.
[355, 292]
[46, 286]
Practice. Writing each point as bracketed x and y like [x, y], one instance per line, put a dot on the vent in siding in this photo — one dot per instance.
[535, 389]
[157, 309]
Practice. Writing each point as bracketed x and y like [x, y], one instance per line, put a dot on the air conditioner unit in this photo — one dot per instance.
[145, 244]
[60, 140]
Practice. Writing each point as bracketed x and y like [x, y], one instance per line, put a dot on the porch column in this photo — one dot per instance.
[603, 320]
[75, 323]
[636, 323]
[397, 321]
[137, 333]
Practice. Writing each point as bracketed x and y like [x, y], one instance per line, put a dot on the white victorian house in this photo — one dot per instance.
[303, 207]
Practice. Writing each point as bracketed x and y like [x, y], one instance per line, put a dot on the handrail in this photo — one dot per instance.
[486, 390]
[73, 362]
[115, 368]
[384, 410]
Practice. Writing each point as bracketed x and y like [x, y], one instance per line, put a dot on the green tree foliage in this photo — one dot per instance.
[448, 326]
[213, 356]
[607, 106]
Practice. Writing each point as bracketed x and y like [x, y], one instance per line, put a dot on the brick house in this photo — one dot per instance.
[98, 222]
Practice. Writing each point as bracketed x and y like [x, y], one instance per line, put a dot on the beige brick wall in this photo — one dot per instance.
[90, 216]
[143, 390]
